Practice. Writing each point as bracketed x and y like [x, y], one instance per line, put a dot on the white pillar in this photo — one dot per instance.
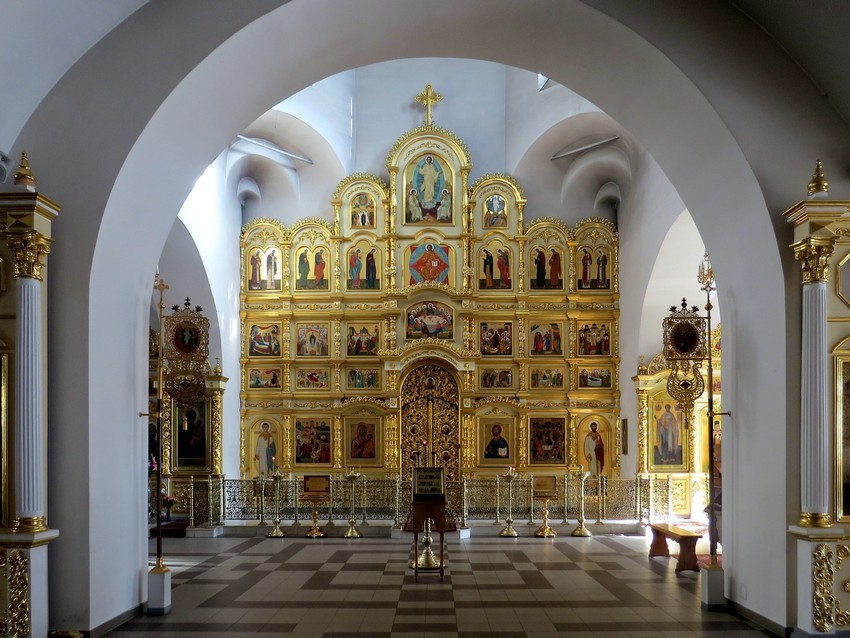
[29, 432]
[814, 429]
[813, 253]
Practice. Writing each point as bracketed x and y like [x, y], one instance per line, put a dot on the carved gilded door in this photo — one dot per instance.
[430, 416]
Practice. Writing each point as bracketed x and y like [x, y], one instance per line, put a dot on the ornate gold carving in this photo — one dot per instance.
[429, 342]
[818, 183]
[643, 430]
[464, 151]
[409, 290]
[374, 180]
[30, 250]
[217, 406]
[823, 601]
[30, 524]
[540, 221]
[814, 519]
[263, 306]
[597, 221]
[428, 98]
[312, 234]
[489, 177]
[497, 400]
[15, 617]
[813, 254]
[247, 229]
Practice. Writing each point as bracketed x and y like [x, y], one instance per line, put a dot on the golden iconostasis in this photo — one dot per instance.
[516, 324]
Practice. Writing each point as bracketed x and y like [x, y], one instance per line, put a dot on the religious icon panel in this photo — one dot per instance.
[264, 340]
[546, 437]
[429, 192]
[265, 378]
[429, 263]
[544, 339]
[667, 436]
[592, 268]
[312, 269]
[311, 339]
[496, 441]
[496, 379]
[494, 211]
[429, 319]
[544, 378]
[313, 441]
[192, 428]
[547, 270]
[495, 267]
[593, 377]
[363, 339]
[594, 339]
[363, 211]
[496, 338]
[312, 378]
[362, 441]
[265, 442]
[363, 267]
[594, 437]
[263, 269]
[365, 378]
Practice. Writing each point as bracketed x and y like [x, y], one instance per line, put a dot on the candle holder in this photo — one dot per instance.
[276, 532]
[544, 531]
[427, 559]
[581, 530]
[352, 531]
[315, 531]
[261, 481]
[508, 530]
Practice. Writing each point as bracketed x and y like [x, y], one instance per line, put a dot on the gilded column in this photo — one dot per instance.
[813, 255]
[29, 249]
[26, 223]
[643, 429]
[216, 384]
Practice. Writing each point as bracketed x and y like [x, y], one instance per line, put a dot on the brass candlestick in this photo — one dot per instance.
[427, 560]
[315, 531]
[352, 532]
[581, 530]
[544, 531]
[508, 529]
[276, 532]
[262, 483]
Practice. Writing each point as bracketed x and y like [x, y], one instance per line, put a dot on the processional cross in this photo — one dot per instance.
[428, 98]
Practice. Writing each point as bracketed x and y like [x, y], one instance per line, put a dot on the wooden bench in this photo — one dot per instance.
[687, 545]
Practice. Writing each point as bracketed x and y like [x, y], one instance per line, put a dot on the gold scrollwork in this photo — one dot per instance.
[15, 618]
[30, 250]
[813, 255]
[823, 601]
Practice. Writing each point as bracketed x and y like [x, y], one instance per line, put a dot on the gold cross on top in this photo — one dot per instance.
[428, 97]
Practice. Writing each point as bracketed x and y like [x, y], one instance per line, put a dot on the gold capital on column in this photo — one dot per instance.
[813, 254]
[30, 250]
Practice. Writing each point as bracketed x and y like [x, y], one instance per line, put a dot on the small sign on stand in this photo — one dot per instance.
[316, 488]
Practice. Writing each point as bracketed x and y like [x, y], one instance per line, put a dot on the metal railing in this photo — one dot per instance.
[209, 501]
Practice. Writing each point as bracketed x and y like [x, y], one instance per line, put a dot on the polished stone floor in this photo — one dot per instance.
[604, 586]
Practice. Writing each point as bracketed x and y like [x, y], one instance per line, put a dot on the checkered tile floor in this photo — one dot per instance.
[493, 588]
